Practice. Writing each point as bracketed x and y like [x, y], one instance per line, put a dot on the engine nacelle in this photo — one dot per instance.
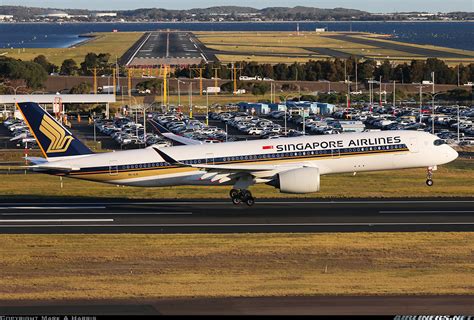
[302, 180]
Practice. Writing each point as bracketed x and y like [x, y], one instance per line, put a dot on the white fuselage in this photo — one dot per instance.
[351, 152]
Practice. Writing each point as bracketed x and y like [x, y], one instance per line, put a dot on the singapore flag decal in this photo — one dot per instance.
[267, 147]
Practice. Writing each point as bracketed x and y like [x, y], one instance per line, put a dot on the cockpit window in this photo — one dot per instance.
[439, 142]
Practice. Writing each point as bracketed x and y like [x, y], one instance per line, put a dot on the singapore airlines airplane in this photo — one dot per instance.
[293, 165]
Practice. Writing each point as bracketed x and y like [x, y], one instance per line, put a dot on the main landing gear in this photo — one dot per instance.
[429, 177]
[242, 195]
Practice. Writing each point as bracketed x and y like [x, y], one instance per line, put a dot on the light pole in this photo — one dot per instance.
[190, 100]
[348, 91]
[135, 107]
[433, 110]
[207, 106]
[15, 88]
[394, 94]
[458, 122]
[356, 80]
[145, 107]
[329, 84]
[179, 91]
[286, 110]
[421, 99]
[380, 91]
[371, 82]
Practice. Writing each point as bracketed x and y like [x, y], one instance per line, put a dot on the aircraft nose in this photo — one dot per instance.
[452, 154]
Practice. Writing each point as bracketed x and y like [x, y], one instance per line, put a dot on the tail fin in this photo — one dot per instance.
[52, 137]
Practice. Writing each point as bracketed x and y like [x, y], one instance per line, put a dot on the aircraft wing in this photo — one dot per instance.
[226, 172]
[180, 139]
[18, 137]
[174, 137]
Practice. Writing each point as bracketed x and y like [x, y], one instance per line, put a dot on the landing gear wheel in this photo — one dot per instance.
[250, 201]
[429, 177]
[236, 200]
[245, 194]
[239, 196]
[234, 193]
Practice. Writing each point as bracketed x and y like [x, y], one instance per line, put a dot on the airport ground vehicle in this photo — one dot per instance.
[293, 165]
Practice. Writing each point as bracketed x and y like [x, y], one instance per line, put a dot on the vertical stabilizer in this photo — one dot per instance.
[52, 137]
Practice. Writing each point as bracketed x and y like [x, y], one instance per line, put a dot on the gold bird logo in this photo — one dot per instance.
[59, 141]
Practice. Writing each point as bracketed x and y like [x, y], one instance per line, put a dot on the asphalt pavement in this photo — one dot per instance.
[303, 305]
[427, 52]
[221, 216]
[168, 47]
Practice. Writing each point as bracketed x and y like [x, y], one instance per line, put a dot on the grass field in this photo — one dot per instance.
[199, 102]
[454, 179]
[115, 43]
[423, 46]
[245, 48]
[275, 40]
[296, 46]
[226, 58]
[158, 266]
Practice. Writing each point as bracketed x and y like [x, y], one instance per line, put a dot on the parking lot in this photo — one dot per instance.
[129, 132]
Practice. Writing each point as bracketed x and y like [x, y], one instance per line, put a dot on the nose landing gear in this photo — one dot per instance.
[242, 195]
[429, 177]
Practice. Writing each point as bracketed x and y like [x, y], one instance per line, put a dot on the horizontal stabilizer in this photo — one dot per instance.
[45, 167]
[36, 160]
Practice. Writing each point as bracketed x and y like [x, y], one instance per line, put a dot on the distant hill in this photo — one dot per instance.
[223, 13]
[243, 13]
[309, 13]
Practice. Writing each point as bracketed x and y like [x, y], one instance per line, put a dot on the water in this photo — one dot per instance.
[458, 35]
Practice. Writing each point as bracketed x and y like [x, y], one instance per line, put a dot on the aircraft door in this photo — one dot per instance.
[113, 168]
[336, 153]
[210, 158]
[414, 145]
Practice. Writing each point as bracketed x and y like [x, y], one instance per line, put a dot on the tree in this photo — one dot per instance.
[34, 75]
[81, 88]
[153, 85]
[69, 67]
[366, 69]
[281, 71]
[260, 89]
[31, 72]
[417, 68]
[227, 87]
[47, 66]
[92, 60]
[385, 71]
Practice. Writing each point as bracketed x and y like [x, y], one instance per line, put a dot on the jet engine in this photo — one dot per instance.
[302, 180]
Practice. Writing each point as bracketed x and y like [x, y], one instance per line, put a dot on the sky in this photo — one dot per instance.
[366, 5]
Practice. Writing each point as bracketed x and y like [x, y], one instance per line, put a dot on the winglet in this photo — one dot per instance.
[169, 159]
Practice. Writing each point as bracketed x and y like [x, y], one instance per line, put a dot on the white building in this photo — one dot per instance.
[104, 14]
[56, 14]
[5, 17]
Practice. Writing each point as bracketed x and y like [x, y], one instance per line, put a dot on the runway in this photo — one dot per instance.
[303, 305]
[220, 216]
[168, 47]
[400, 47]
